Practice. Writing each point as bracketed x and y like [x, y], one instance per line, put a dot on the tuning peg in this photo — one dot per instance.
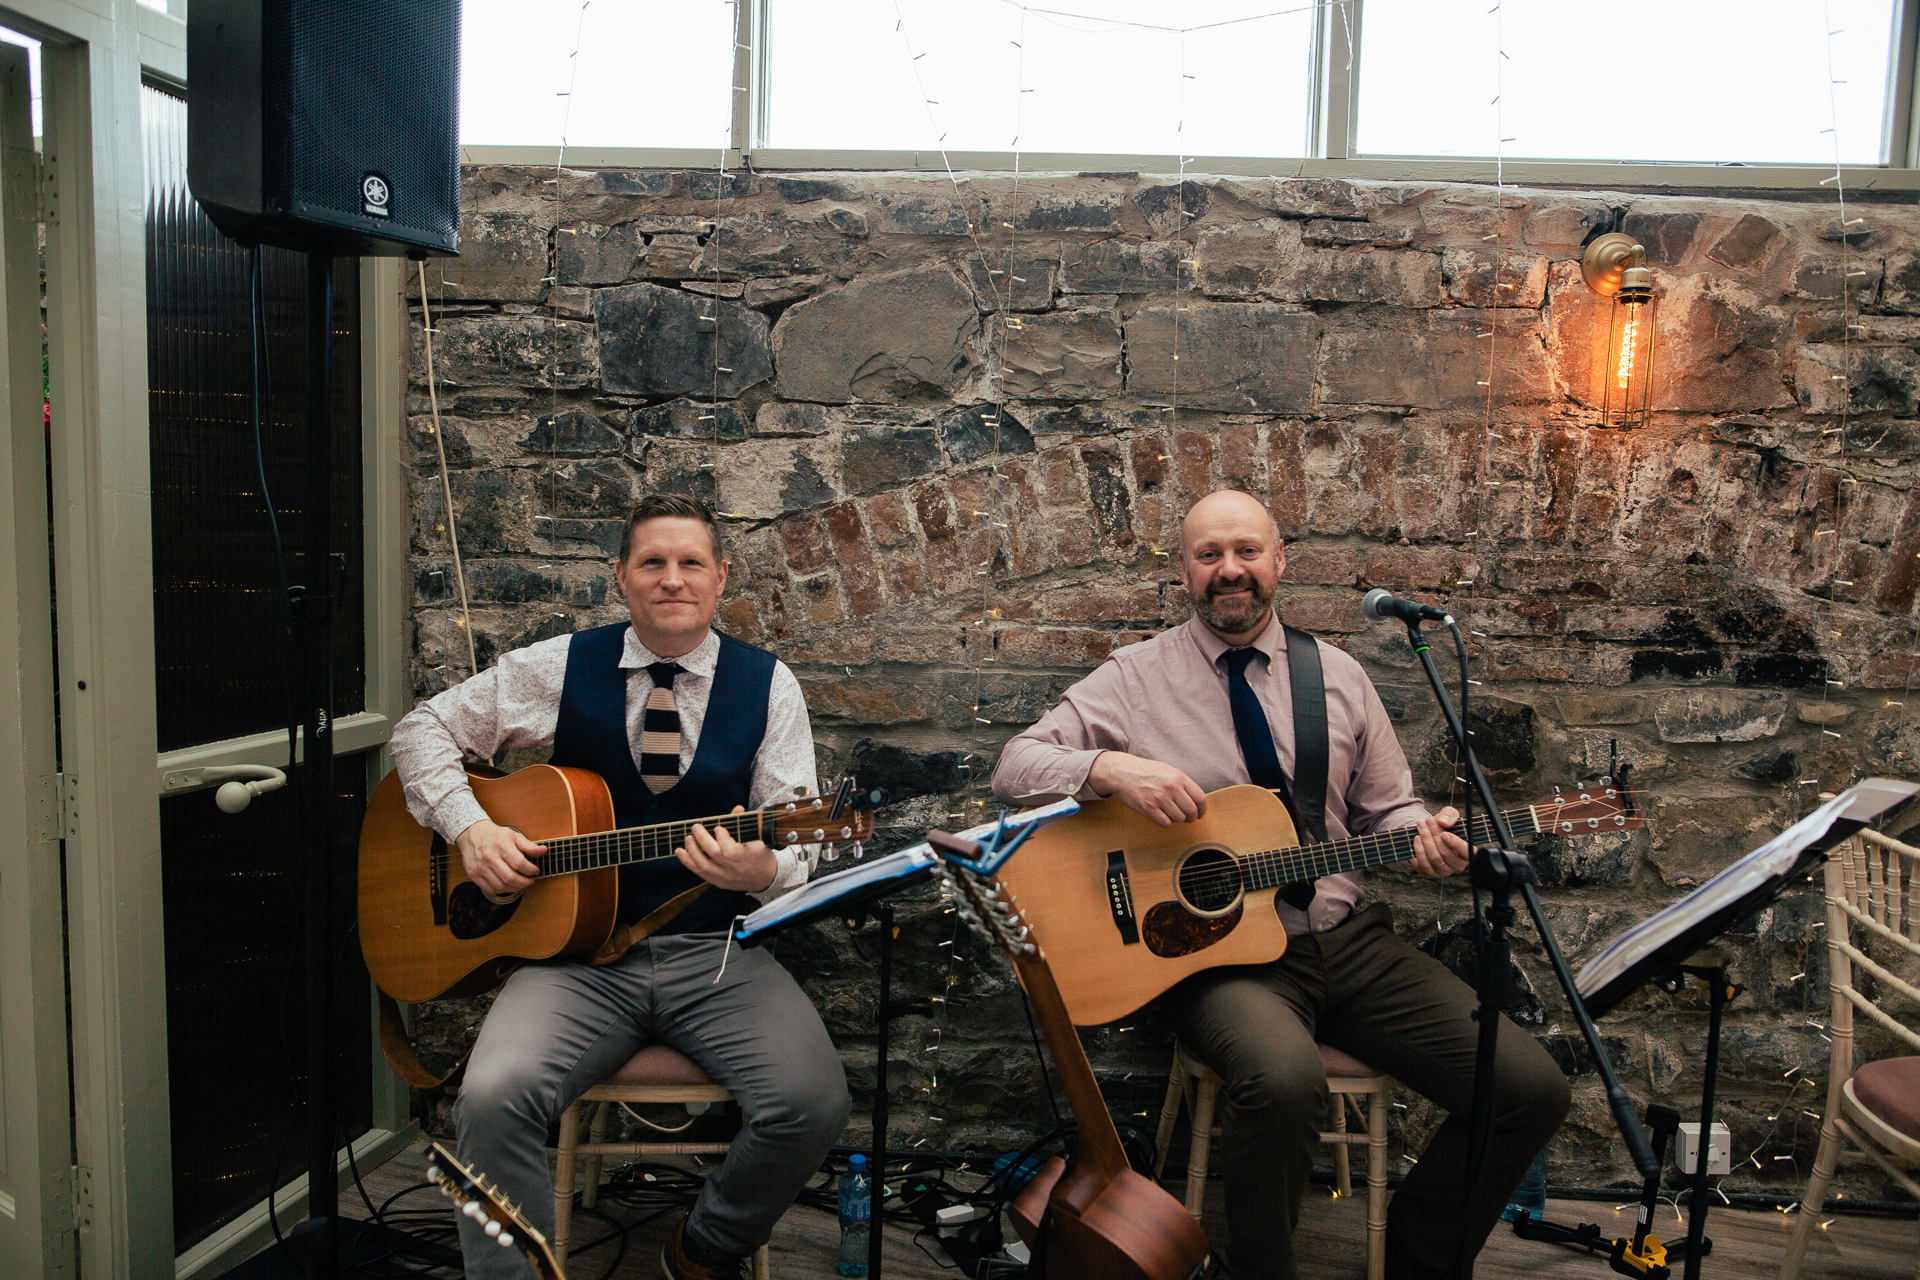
[505, 1239]
[859, 850]
[493, 1227]
[830, 853]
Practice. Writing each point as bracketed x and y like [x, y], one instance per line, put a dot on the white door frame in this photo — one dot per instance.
[37, 1191]
[93, 58]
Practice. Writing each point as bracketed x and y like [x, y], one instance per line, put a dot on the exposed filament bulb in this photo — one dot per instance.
[1629, 337]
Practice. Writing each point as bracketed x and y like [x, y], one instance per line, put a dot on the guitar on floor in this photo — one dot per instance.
[427, 931]
[1093, 1219]
[1129, 908]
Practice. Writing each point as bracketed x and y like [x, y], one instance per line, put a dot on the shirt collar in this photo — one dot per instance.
[701, 661]
[1269, 641]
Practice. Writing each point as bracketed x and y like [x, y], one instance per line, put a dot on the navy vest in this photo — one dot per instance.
[592, 734]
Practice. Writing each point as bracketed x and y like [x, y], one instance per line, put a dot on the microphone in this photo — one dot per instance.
[1380, 603]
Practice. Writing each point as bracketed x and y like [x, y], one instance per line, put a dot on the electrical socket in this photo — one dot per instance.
[1719, 1155]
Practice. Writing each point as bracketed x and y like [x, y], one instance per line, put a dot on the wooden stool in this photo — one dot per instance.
[655, 1074]
[1348, 1078]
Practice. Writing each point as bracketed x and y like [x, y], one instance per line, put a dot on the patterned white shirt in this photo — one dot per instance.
[516, 703]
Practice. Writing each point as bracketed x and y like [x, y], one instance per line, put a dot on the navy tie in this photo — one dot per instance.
[1256, 747]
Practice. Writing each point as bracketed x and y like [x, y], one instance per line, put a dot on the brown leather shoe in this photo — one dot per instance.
[677, 1261]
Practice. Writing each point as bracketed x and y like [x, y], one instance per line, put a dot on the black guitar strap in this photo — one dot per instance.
[1309, 732]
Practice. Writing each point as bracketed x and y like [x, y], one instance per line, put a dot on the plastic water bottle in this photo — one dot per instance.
[856, 1211]
[1530, 1197]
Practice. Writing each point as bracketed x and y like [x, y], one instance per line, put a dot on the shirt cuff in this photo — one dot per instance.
[456, 813]
[789, 873]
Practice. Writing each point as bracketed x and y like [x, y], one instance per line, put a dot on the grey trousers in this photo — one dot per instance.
[1360, 988]
[557, 1030]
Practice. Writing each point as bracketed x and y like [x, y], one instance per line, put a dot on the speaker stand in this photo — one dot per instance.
[317, 1240]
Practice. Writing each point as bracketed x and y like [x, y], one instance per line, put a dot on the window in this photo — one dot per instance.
[851, 74]
[646, 75]
[1376, 88]
[1706, 81]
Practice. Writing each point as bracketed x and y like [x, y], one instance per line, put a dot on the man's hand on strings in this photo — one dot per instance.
[1149, 788]
[1437, 852]
[496, 857]
[725, 863]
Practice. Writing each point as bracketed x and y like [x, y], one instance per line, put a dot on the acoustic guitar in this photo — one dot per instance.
[1129, 908]
[1094, 1219]
[480, 1200]
[427, 931]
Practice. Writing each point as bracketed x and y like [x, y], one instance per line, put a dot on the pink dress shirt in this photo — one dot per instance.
[1166, 699]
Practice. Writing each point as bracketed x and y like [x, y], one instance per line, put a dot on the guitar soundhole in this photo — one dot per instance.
[1209, 881]
[472, 914]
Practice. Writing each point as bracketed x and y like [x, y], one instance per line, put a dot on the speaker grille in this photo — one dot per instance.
[372, 89]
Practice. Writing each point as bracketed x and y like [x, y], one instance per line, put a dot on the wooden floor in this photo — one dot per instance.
[1331, 1238]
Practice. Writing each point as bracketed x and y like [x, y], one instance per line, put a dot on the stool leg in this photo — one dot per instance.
[590, 1177]
[563, 1181]
[1377, 1182]
[1206, 1096]
[1342, 1173]
[1169, 1114]
[761, 1270]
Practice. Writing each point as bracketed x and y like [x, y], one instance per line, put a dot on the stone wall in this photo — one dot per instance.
[1723, 599]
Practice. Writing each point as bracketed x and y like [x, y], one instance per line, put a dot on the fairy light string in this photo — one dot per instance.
[1000, 284]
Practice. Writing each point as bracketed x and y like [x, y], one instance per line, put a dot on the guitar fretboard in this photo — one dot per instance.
[568, 854]
[1271, 867]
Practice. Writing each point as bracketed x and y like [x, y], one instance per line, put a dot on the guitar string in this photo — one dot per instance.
[1291, 864]
[595, 850]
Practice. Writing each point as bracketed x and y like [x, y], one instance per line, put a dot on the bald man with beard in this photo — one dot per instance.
[1209, 704]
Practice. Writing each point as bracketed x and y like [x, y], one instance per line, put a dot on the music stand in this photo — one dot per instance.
[1658, 949]
[852, 895]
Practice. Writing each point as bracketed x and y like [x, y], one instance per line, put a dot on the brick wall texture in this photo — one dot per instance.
[954, 426]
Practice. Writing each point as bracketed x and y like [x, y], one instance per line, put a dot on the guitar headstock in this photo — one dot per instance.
[842, 816]
[982, 901]
[478, 1199]
[1608, 804]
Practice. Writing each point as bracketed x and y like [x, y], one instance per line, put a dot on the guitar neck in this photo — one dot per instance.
[1099, 1149]
[568, 854]
[1272, 867]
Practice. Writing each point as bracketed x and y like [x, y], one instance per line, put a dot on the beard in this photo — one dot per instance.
[1235, 614]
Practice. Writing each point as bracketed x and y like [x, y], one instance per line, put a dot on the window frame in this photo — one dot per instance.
[1332, 118]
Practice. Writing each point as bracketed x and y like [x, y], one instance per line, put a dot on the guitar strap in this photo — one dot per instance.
[1309, 732]
[396, 1042]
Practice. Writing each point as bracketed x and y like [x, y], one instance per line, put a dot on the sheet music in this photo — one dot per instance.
[1861, 802]
[910, 861]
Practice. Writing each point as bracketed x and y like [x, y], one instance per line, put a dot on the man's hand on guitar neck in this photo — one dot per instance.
[1438, 853]
[495, 857]
[725, 863]
[1149, 788]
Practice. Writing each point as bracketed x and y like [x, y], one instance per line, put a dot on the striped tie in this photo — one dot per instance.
[660, 731]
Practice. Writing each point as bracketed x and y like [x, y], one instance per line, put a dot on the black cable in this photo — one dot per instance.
[1040, 1057]
[262, 370]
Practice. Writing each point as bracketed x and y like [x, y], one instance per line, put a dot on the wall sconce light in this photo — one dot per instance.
[1616, 267]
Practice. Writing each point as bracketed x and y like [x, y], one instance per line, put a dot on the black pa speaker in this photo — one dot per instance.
[327, 125]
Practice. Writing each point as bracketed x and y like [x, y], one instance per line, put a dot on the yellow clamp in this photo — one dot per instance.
[1654, 1255]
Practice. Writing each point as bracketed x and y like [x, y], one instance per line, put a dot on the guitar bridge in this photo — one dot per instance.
[1120, 897]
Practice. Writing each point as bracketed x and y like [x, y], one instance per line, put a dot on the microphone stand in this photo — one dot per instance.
[1500, 869]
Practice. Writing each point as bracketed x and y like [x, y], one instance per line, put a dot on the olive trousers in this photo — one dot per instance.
[1363, 989]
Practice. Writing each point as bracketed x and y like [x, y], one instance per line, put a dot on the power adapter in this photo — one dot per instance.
[970, 1242]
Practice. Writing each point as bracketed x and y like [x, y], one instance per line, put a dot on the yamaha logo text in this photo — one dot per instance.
[376, 196]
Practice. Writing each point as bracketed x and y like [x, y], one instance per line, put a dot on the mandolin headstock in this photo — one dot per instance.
[480, 1200]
